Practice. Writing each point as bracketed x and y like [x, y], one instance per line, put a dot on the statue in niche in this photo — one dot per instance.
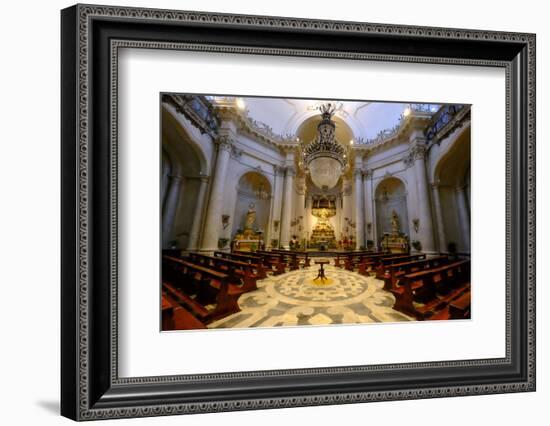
[394, 223]
[250, 217]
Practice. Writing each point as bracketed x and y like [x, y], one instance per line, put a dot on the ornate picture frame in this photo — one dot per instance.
[90, 39]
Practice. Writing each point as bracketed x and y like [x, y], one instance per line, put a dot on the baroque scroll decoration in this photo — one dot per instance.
[85, 14]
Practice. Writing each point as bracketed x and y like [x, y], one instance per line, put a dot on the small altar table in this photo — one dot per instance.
[321, 273]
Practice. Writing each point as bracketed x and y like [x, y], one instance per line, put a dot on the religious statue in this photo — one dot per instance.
[250, 217]
[394, 222]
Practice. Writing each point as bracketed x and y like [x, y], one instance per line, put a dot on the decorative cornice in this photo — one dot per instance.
[227, 109]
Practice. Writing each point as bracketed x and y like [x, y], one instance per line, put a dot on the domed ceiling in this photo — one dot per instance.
[299, 117]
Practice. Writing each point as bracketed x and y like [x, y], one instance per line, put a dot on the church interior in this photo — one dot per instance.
[303, 212]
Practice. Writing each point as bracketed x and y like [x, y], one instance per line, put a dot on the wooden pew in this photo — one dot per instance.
[273, 261]
[397, 270]
[255, 261]
[381, 265]
[301, 255]
[366, 263]
[289, 257]
[240, 273]
[205, 292]
[176, 317]
[422, 294]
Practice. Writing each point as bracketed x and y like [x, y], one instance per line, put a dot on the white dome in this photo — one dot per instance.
[325, 172]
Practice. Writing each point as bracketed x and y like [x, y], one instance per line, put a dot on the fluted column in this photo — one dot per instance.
[359, 211]
[425, 229]
[464, 218]
[287, 207]
[215, 204]
[170, 208]
[439, 218]
[197, 218]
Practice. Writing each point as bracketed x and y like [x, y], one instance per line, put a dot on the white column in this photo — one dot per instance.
[439, 218]
[464, 218]
[367, 202]
[287, 207]
[199, 214]
[359, 211]
[215, 204]
[300, 206]
[346, 208]
[338, 218]
[425, 230]
[170, 209]
[277, 202]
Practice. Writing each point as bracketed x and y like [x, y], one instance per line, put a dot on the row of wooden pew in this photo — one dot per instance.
[436, 288]
[199, 288]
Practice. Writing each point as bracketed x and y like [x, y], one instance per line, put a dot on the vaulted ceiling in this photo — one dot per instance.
[299, 117]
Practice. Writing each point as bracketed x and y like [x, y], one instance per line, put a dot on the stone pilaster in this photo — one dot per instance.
[300, 207]
[368, 205]
[170, 208]
[464, 218]
[359, 211]
[199, 214]
[275, 225]
[417, 158]
[442, 239]
[287, 207]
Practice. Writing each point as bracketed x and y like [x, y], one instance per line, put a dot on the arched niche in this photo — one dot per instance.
[182, 165]
[390, 196]
[253, 192]
[452, 180]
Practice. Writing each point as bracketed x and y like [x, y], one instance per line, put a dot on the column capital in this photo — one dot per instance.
[357, 173]
[435, 184]
[176, 178]
[418, 151]
[225, 142]
[367, 174]
[278, 170]
[290, 171]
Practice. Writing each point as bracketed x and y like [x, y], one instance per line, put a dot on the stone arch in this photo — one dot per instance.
[451, 179]
[390, 194]
[253, 188]
[297, 121]
[182, 169]
[175, 130]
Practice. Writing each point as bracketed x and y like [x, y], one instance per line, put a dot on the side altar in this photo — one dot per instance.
[395, 241]
[251, 238]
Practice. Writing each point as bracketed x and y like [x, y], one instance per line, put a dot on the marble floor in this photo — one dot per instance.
[297, 298]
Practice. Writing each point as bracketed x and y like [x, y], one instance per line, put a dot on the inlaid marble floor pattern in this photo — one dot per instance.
[295, 299]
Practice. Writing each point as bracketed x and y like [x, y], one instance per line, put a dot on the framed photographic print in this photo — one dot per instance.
[263, 212]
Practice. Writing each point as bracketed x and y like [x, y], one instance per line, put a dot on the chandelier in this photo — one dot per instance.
[324, 158]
